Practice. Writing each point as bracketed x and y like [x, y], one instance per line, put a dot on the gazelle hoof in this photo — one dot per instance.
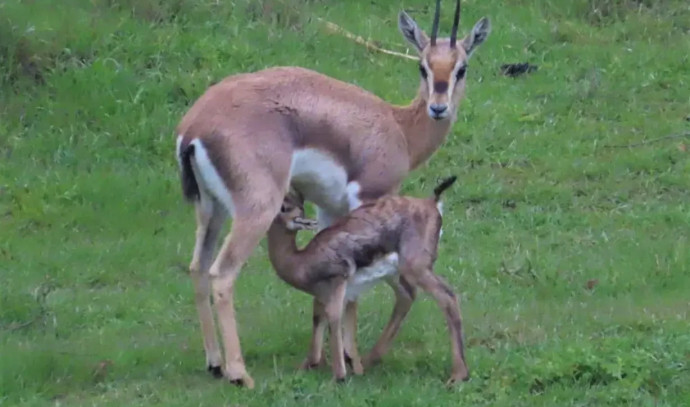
[460, 377]
[309, 365]
[238, 376]
[355, 364]
[245, 381]
[215, 371]
[370, 361]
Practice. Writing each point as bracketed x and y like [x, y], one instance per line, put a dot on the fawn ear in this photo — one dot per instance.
[294, 197]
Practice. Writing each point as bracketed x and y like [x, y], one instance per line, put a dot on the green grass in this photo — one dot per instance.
[95, 304]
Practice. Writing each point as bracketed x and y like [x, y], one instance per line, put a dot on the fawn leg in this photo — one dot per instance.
[350, 338]
[448, 302]
[404, 297]
[315, 356]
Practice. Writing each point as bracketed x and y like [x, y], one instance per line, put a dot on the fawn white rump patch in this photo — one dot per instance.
[366, 277]
[208, 179]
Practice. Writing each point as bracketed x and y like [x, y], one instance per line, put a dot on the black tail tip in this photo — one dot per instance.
[190, 188]
[445, 184]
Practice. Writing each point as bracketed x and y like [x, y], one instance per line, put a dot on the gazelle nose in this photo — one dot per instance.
[438, 109]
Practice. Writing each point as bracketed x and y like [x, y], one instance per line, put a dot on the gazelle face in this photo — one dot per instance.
[443, 62]
[292, 213]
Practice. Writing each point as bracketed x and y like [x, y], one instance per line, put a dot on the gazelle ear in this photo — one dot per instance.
[293, 197]
[479, 33]
[412, 33]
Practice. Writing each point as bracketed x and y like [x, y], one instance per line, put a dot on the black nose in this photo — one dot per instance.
[438, 109]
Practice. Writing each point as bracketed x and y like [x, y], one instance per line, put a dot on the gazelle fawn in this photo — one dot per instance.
[252, 136]
[394, 238]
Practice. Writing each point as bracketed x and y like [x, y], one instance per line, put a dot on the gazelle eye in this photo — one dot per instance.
[422, 71]
[460, 73]
[283, 208]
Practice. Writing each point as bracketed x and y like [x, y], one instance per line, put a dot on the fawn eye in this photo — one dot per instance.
[460, 73]
[422, 71]
[283, 208]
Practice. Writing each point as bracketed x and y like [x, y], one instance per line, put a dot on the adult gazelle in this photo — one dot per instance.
[247, 139]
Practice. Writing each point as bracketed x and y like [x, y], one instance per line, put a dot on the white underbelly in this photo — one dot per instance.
[367, 277]
[323, 181]
[318, 177]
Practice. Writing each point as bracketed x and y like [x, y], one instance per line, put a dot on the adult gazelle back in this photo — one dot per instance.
[247, 139]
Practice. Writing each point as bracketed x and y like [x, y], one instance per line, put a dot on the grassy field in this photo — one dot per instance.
[567, 235]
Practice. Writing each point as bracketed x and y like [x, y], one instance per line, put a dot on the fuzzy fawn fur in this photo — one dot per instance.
[406, 227]
[252, 136]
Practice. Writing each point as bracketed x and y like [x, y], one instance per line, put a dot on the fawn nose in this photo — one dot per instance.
[438, 111]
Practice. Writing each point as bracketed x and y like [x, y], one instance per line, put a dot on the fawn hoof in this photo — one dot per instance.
[215, 371]
[357, 368]
[370, 361]
[354, 364]
[309, 364]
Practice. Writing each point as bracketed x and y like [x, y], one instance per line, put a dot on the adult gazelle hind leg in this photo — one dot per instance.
[209, 221]
[251, 222]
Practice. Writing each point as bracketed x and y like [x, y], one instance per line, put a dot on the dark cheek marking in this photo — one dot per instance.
[441, 86]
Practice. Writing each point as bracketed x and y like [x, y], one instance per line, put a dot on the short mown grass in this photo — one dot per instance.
[566, 236]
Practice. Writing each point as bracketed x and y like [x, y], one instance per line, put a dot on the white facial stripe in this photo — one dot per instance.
[453, 77]
[452, 81]
[429, 77]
